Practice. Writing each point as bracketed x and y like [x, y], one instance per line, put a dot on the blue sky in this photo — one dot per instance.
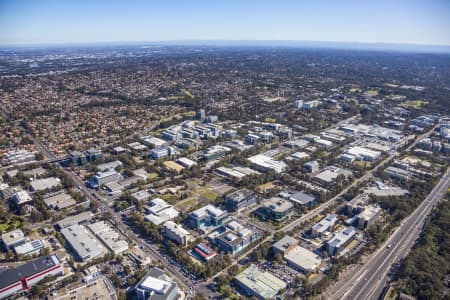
[79, 21]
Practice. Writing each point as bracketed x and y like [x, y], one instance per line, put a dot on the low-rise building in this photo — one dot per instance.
[206, 216]
[262, 285]
[186, 162]
[284, 245]
[324, 225]
[109, 237]
[104, 177]
[368, 216]
[13, 238]
[340, 240]
[397, 173]
[159, 211]
[59, 201]
[85, 246]
[303, 259]
[112, 165]
[330, 174]
[176, 233]
[156, 285]
[240, 198]
[204, 252]
[233, 237]
[268, 163]
[302, 198]
[45, 184]
[275, 209]
[21, 197]
[22, 278]
[29, 248]
[75, 219]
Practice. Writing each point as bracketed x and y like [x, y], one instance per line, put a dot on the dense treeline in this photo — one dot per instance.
[422, 274]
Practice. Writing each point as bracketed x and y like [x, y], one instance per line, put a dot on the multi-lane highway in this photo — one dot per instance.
[369, 280]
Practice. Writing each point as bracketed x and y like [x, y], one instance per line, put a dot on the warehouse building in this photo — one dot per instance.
[82, 242]
[59, 201]
[75, 219]
[284, 245]
[268, 163]
[21, 278]
[112, 240]
[262, 285]
[45, 184]
[302, 259]
[29, 248]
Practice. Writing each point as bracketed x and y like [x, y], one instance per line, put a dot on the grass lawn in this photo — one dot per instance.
[414, 104]
[153, 175]
[209, 195]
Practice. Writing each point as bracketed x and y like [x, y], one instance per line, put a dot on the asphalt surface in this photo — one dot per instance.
[369, 281]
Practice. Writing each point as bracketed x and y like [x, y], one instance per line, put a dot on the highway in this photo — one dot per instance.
[369, 281]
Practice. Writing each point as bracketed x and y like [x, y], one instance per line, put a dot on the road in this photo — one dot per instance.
[369, 281]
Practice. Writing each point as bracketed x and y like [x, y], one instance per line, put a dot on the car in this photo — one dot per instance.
[389, 246]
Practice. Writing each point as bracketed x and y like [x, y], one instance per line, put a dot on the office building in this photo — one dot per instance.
[324, 225]
[156, 285]
[340, 240]
[93, 154]
[233, 237]
[240, 198]
[368, 216]
[262, 285]
[312, 166]
[161, 152]
[18, 157]
[302, 198]
[176, 233]
[207, 216]
[104, 178]
[21, 197]
[13, 238]
[22, 278]
[275, 209]
[267, 163]
[159, 211]
[215, 152]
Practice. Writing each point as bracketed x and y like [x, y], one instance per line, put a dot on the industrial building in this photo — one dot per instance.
[302, 259]
[109, 237]
[82, 242]
[268, 163]
[340, 240]
[240, 198]
[45, 184]
[329, 174]
[29, 248]
[75, 219]
[262, 285]
[13, 238]
[159, 211]
[21, 278]
[361, 153]
[206, 216]
[156, 285]
[176, 233]
[59, 201]
[324, 225]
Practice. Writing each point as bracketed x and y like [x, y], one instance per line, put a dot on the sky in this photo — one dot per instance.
[424, 22]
